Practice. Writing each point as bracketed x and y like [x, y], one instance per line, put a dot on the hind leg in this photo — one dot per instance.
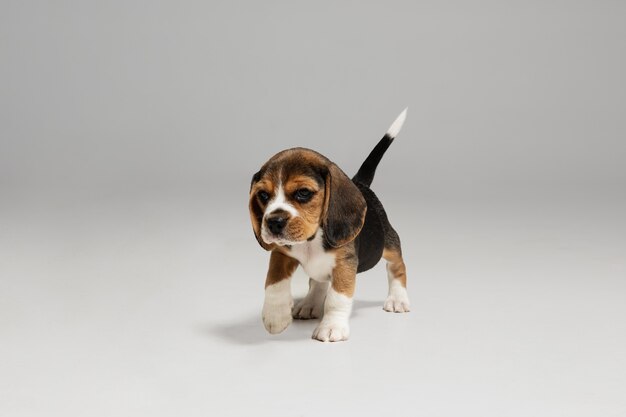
[312, 306]
[398, 299]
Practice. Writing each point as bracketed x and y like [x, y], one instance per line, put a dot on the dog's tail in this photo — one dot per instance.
[365, 175]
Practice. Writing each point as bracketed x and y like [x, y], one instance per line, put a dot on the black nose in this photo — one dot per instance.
[276, 224]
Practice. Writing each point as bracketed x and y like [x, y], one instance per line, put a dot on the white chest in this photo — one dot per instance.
[316, 262]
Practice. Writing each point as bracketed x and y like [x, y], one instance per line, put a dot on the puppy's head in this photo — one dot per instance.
[299, 191]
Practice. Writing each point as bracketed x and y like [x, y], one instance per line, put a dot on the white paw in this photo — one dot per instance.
[277, 317]
[397, 303]
[332, 331]
[308, 308]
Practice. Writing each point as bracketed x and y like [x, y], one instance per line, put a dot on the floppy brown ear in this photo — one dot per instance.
[344, 208]
[256, 215]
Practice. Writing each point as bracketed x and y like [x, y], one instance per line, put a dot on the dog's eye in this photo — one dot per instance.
[303, 195]
[263, 196]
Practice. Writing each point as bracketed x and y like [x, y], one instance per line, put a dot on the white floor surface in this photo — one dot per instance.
[152, 308]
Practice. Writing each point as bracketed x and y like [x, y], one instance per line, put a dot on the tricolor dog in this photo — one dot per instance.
[306, 211]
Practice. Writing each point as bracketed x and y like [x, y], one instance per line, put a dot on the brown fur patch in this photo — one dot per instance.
[281, 267]
[306, 224]
[396, 264]
[344, 272]
[296, 182]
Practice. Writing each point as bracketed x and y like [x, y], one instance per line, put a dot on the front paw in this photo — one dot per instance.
[308, 309]
[332, 331]
[276, 317]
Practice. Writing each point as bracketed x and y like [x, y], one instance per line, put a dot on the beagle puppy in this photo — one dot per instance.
[306, 211]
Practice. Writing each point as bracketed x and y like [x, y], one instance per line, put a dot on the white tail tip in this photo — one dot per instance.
[395, 127]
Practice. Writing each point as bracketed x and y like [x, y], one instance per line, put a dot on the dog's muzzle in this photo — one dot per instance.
[276, 222]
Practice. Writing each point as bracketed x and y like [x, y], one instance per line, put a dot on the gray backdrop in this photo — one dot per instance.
[131, 283]
[504, 98]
